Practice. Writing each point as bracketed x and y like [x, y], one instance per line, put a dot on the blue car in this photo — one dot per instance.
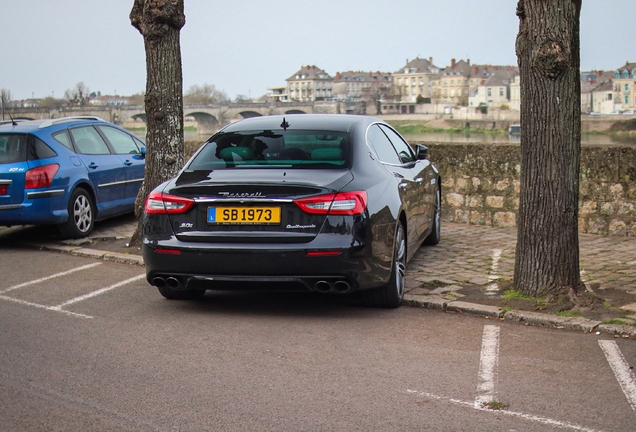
[70, 171]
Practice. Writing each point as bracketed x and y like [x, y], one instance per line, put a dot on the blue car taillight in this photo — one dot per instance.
[40, 177]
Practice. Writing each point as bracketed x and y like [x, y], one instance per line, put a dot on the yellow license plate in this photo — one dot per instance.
[244, 215]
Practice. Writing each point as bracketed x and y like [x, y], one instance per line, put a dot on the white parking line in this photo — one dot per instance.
[98, 292]
[488, 366]
[59, 308]
[496, 256]
[39, 306]
[621, 370]
[493, 288]
[64, 273]
[529, 417]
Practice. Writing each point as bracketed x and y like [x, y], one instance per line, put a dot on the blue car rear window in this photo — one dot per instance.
[22, 147]
[267, 149]
[12, 148]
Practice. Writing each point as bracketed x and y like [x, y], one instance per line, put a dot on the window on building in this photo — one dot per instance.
[489, 92]
[626, 88]
[501, 93]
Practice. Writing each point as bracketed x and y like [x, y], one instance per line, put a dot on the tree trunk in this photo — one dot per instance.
[159, 22]
[548, 51]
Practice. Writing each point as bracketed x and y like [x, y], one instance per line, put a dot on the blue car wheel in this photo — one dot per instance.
[81, 215]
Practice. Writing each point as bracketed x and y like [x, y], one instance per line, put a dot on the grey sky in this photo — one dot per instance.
[245, 46]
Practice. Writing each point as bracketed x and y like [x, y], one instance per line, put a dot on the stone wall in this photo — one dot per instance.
[480, 185]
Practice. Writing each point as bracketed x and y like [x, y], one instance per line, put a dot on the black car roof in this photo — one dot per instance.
[331, 122]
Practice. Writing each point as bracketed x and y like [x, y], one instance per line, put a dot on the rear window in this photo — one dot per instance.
[21, 147]
[266, 149]
[12, 148]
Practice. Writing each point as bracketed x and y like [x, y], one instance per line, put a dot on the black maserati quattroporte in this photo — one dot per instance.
[316, 202]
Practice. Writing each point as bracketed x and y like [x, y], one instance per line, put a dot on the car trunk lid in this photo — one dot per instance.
[252, 205]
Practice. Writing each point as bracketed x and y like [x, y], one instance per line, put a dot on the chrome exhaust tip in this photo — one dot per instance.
[173, 282]
[342, 286]
[322, 286]
[159, 282]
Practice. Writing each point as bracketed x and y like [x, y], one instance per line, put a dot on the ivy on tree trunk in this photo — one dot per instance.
[548, 51]
[160, 23]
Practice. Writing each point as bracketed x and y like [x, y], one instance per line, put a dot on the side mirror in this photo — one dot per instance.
[422, 151]
[143, 152]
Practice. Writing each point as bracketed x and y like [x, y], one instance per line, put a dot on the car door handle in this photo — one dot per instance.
[128, 163]
[93, 165]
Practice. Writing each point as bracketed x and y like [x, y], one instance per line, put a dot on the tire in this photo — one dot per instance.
[436, 234]
[391, 295]
[180, 294]
[81, 215]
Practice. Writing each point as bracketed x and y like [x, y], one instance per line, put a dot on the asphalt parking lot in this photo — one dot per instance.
[88, 342]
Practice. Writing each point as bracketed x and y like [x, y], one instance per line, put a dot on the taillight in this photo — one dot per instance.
[40, 177]
[344, 203]
[4, 189]
[161, 203]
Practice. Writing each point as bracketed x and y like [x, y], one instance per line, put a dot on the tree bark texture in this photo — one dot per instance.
[548, 52]
[160, 23]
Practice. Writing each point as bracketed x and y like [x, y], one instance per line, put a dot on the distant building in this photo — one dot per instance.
[463, 84]
[586, 95]
[276, 94]
[625, 87]
[602, 97]
[310, 83]
[369, 87]
[413, 81]
[100, 99]
[452, 85]
[515, 94]
[590, 82]
[490, 86]
[25, 103]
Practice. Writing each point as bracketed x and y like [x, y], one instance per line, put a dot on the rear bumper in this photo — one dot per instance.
[280, 267]
[35, 211]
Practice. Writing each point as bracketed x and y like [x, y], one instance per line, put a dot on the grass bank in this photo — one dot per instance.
[410, 127]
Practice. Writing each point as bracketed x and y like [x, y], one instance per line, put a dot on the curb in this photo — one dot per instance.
[522, 317]
[93, 253]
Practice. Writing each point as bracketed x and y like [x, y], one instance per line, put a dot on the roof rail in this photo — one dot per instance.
[51, 122]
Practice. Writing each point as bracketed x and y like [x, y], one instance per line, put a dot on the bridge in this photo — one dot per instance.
[209, 117]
